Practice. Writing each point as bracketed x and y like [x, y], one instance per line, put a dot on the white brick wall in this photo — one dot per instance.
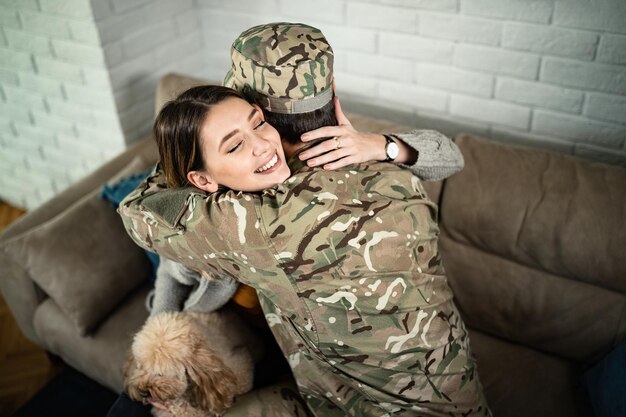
[77, 82]
[460, 28]
[81, 74]
[51, 62]
[142, 40]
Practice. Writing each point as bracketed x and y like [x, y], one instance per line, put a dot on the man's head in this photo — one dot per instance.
[287, 68]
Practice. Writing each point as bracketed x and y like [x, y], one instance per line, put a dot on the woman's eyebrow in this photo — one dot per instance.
[230, 135]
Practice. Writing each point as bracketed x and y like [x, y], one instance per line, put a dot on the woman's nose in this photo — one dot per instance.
[260, 145]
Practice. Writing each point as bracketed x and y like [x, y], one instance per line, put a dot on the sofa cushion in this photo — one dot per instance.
[549, 211]
[101, 354]
[522, 382]
[497, 295]
[83, 258]
[171, 85]
[533, 246]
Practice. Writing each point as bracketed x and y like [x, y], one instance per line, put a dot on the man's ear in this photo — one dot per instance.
[202, 180]
[259, 109]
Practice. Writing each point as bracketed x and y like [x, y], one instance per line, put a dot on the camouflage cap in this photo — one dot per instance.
[284, 67]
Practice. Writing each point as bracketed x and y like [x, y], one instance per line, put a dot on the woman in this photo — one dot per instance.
[210, 136]
[367, 327]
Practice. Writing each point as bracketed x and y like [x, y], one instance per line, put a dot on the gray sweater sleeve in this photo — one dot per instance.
[170, 293]
[179, 288]
[438, 156]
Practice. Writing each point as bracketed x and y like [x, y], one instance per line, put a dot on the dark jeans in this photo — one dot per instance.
[125, 407]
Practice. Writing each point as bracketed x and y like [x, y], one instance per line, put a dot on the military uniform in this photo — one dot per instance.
[347, 269]
[345, 262]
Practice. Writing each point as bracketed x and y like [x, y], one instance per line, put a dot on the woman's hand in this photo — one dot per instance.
[346, 144]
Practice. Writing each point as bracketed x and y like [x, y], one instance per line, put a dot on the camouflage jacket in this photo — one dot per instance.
[348, 272]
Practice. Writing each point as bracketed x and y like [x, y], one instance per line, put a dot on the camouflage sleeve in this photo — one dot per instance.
[439, 157]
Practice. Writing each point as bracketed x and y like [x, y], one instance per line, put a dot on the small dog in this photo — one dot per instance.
[189, 364]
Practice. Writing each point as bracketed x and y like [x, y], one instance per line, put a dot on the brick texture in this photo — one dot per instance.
[524, 10]
[491, 111]
[550, 41]
[460, 28]
[592, 76]
[543, 73]
[539, 94]
[612, 49]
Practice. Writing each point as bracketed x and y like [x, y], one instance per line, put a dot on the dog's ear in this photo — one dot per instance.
[214, 383]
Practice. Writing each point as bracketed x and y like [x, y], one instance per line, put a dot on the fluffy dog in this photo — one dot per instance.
[190, 364]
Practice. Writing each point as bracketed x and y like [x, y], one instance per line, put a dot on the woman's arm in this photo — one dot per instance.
[170, 289]
[179, 288]
[429, 154]
[438, 157]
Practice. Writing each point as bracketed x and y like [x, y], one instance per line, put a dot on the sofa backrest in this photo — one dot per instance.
[533, 244]
[171, 85]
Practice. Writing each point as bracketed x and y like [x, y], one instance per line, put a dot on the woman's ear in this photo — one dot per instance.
[202, 180]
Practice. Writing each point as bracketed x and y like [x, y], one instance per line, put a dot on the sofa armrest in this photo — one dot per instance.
[21, 292]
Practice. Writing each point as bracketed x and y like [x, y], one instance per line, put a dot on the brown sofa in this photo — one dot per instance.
[532, 242]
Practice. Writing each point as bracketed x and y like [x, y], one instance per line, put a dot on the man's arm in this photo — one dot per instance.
[431, 155]
[204, 232]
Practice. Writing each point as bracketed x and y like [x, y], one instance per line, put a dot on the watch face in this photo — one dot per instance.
[393, 150]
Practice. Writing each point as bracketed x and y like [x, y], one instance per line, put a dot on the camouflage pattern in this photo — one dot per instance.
[285, 67]
[348, 273]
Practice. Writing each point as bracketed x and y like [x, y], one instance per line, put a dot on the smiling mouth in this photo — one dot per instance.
[269, 165]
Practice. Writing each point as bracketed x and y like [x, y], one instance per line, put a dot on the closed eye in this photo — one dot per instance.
[234, 148]
[260, 124]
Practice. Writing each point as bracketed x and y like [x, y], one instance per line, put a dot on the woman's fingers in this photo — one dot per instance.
[344, 128]
[321, 148]
[328, 157]
[326, 132]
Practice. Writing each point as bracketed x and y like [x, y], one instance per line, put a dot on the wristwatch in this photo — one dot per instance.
[391, 149]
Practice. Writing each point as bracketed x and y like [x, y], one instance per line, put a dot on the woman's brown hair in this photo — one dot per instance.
[177, 130]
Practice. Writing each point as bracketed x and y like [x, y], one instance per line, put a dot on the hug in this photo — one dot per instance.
[344, 258]
[313, 262]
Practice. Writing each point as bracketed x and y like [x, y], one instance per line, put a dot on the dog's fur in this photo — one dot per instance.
[190, 364]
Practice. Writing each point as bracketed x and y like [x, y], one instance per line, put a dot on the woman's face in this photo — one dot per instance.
[240, 150]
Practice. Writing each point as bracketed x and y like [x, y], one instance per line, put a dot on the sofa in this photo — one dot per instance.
[532, 242]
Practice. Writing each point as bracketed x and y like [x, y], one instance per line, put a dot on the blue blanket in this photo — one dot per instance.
[115, 193]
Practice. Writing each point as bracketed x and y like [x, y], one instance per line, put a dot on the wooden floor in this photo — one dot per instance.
[24, 367]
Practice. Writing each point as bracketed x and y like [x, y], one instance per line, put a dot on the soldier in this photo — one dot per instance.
[345, 262]
[287, 69]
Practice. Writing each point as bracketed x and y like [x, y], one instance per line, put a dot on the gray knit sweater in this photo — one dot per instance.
[179, 288]
[438, 156]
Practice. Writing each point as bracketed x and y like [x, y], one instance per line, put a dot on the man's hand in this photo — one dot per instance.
[346, 144]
